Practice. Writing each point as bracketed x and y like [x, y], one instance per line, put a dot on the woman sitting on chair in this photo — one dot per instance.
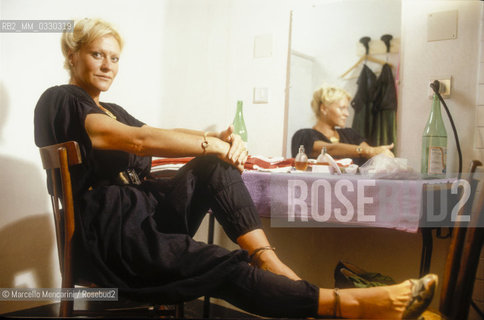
[135, 234]
[330, 106]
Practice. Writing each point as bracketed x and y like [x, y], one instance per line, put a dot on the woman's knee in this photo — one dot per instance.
[212, 166]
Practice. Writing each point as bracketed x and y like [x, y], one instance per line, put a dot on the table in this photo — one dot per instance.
[340, 200]
[323, 200]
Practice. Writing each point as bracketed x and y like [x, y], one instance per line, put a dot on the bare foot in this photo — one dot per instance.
[386, 302]
[407, 299]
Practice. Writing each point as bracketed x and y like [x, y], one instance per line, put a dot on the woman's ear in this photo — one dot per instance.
[71, 58]
[322, 109]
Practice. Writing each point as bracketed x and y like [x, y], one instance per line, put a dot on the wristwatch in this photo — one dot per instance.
[205, 143]
[359, 149]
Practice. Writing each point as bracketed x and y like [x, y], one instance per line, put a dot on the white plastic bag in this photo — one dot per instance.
[385, 167]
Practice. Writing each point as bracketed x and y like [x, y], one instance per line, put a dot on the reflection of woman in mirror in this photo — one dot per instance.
[330, 105]
[136, 235]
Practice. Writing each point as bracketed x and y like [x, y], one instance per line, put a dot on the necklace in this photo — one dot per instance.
[333, 138]
[109, 113]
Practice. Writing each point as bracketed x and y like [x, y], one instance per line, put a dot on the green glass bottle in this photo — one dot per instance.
[434, 144]
[239, 123]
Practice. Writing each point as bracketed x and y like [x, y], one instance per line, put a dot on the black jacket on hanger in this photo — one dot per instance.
[362, 103]
[384, 109]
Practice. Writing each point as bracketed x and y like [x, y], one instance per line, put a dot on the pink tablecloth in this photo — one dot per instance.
[293, 199]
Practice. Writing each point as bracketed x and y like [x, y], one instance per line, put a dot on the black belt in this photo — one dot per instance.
[125, 177]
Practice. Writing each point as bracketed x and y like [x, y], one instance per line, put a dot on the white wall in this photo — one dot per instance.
[479, 139]
[421, 60]
[194, 64]
[29, 64]
[208, 64]
[264, 121]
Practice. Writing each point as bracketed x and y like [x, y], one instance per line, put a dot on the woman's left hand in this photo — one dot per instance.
[385, 149]
[238, 152]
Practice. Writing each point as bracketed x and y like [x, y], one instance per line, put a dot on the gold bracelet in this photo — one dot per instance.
[258, 251]
[337, 303]
[205, 143]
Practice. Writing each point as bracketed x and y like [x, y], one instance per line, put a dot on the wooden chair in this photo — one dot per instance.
[463, 258]
[57, 160]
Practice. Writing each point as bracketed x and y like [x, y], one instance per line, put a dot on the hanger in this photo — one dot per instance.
[386, 38]
[365, 41]
[365, 58]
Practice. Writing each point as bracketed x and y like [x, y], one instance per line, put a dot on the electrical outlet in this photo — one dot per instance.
[444, 89]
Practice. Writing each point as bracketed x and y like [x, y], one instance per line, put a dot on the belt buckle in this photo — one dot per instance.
[123, 178]
[133, 176]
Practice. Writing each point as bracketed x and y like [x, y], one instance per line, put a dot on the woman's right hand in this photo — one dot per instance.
[237, 153]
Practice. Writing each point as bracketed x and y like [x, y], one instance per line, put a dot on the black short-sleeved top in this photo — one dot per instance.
[119, 242]
[59, 117]
[307, 137]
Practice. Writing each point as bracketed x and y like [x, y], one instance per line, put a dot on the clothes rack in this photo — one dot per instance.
[367, 57]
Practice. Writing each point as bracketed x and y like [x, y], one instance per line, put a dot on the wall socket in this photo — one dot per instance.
[445, 87]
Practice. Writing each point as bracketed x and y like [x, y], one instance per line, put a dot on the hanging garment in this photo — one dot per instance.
[362, 103]
[384, 107]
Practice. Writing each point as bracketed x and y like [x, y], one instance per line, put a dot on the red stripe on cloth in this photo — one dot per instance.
[162, 161]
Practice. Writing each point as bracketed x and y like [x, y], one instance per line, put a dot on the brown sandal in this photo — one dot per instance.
[422, 293]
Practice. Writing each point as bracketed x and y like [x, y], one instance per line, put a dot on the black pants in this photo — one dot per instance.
[209, 183]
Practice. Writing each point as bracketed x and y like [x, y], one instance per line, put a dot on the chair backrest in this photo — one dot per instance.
[463, 258]
[56, 160]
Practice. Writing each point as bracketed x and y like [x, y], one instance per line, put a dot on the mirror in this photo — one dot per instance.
[325, 44]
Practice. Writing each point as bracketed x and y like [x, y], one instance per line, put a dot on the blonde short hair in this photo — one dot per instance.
[85, 32]
[327, 95]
